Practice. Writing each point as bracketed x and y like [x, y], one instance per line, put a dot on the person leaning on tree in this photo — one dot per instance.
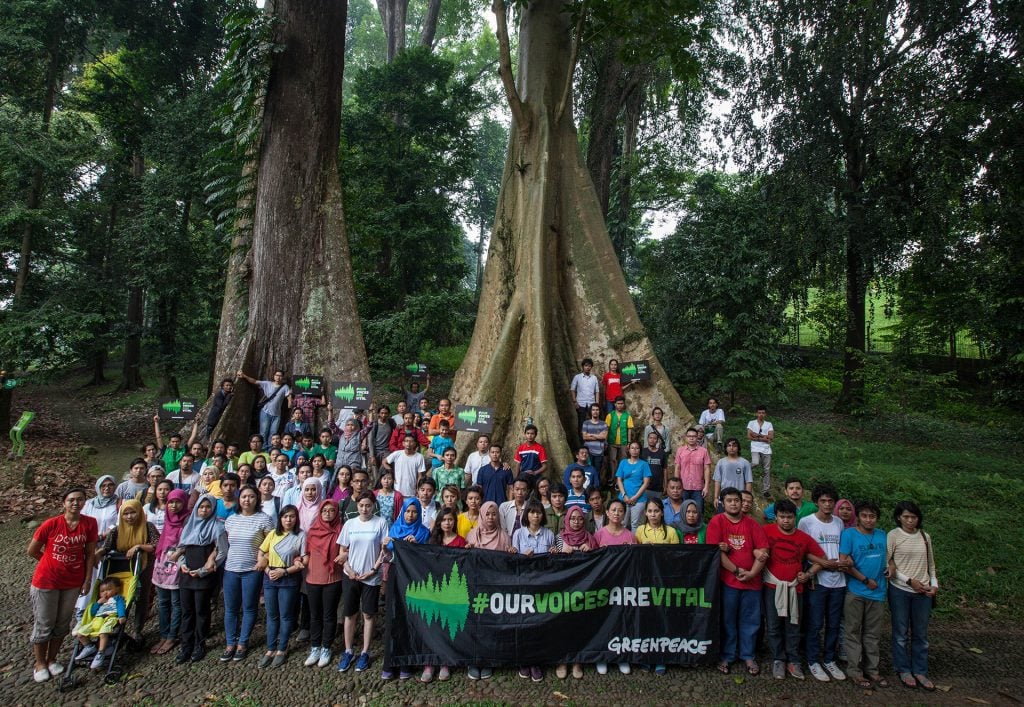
[220, 403]
[274, 394]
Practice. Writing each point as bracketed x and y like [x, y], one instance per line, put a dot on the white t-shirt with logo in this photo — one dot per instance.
[827, 535]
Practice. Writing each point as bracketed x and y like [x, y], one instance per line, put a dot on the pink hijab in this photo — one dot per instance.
[488, 537]
[309, 511]
[853, 518]
[576, 538]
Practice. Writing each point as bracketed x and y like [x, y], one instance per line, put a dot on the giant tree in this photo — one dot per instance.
[553, 292]
[299, 297]
[854, 98]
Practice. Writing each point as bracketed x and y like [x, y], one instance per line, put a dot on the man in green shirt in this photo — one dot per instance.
[795, 493]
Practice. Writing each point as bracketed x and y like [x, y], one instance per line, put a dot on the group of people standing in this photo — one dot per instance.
[310, 529]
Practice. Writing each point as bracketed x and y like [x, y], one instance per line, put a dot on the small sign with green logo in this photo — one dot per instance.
[416, 370]
[473, 418]
[635, 371]
[308, 385]
[11, 383]
[177, 408]
[351, 395]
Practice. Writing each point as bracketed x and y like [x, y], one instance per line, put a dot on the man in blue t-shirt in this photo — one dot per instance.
[495, 478]
[590, 478]
[864, 607]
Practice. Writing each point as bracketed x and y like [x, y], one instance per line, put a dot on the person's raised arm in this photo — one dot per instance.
[156, 433]
[241, 374]
[427, 386]
[192, 437]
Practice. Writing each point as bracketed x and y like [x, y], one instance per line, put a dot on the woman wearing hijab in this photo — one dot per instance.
[310, 498]
[165, 571]
[844, 511]
[488, 535]
[323, 582]
[202, 548]
[690, 524]
[102, 508]
[134, 535]
[574, 538]
[408, 527]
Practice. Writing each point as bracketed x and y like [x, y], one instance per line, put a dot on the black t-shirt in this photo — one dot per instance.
[656, 460]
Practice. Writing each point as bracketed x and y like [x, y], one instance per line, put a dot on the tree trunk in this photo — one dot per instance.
[392, 16]
[553, 289]
[851, 397]
[429, 29]
[633, 109]
[167, 327]
[604, 111]
[307, 324]
[131, 370]
[54, 71]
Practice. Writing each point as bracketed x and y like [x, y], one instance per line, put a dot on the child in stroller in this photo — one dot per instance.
[101, 619]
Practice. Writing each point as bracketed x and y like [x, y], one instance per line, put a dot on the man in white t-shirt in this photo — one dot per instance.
[585, 390]
[712, 420]
[824, 603]
[407, 464]
[761, 433]
[273, 395]
[477, 459]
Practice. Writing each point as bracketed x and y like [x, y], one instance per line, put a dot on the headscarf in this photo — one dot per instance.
[575, 538]
[99, 500]
[202, 531]
[488, 537]
[853, 518]
[128, 536]
[682, 524]
[400, 530]
[322, 545]
[174, 523]
[309, 511]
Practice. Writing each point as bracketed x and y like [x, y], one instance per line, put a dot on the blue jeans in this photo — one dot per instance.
[241, 591]
[910, 613]
[280, 599]
[268, 426]
[169, 608]
[824, 607]
[698, 498]
[741, 620]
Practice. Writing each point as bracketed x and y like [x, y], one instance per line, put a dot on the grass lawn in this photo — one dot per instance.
[960, 466]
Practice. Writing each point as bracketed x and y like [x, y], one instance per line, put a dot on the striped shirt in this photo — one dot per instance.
[245, 535]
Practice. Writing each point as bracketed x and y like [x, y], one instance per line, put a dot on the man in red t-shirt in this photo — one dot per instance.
[784, 577]
[743, 543]
[65, 546]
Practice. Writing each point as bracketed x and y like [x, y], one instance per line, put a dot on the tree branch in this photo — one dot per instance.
[515, 103]
[572, 63]
[429, 28]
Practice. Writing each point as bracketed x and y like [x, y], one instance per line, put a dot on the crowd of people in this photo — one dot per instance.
[305, 525]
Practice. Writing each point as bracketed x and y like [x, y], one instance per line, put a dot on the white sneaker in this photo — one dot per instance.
[832, 669]
[97, 661]
[55, 668]
[41, 675]
[87, 651]
[624, 668]
[602, 668]
[818, 672]
[325, 657]
[314, 657]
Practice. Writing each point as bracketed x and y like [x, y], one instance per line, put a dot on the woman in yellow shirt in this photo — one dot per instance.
[653, 530]
[470, 518]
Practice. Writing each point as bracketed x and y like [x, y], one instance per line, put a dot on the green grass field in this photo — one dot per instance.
[960, 465]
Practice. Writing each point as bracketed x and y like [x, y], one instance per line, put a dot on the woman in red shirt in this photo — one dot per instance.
[611, 384]
[65, 546]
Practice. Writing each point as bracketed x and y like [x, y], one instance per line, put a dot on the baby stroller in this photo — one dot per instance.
[114, 564]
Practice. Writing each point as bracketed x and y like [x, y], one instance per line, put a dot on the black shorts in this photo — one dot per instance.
[357, 597]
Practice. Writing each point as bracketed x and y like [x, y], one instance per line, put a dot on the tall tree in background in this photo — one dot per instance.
[855, 97]
[553, 290]
[308, 323]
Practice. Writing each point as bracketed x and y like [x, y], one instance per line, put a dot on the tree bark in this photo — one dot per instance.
[131, 369]
[604, 110]
[429, 29]
[392, 16]
[851, 396]
[54, 71]
[308, 324]
[553, 289]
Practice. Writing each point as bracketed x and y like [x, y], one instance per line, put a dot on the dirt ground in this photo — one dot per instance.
[973, 660]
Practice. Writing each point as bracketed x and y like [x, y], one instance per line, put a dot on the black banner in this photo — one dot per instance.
[177, 408]
[635, 371]
[308, 385]
[416, 370]
[473, 418]
[351, 395]
[638, 604]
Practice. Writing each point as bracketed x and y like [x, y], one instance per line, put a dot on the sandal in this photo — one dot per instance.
[723, 668]
[879, 680]
[753, 668]
[925, 683]
[863, 683]
[908, 680]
